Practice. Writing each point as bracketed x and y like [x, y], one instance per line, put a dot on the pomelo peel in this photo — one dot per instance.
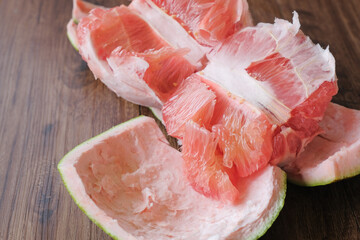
[263, 195]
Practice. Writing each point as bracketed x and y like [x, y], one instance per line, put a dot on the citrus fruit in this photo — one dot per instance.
[130, 182]
[277, 69]
[334, 154]
[271, 87]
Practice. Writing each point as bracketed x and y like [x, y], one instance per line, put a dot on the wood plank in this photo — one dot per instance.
[49, 103]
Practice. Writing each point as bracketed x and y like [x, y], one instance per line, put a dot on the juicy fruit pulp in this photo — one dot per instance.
[271, 86]
[130, 182]
[281, 72]
[223, 137]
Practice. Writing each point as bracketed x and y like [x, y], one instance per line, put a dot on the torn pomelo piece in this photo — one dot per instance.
[334, 154]
[278, 70]
[130, 182]
[209, 21]
[129, 56]
[82, 9]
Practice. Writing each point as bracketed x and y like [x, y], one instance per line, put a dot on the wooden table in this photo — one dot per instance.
[49, 103]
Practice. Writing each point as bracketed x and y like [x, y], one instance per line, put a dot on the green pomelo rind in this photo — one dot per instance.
[158, 114]
[73, 195]
[279, 206]
[314, 182]
[72, 41]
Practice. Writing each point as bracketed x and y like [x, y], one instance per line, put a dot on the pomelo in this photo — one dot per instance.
[130, 182]
[272, 86]
[334, 154]
[278, 70]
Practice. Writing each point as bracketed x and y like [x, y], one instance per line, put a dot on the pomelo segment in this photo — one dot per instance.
[192, 101]
[243, 134]
[278, 70]
[334, 154]
[209, 21]
[203, 165]
[130, 182]
[245, 138]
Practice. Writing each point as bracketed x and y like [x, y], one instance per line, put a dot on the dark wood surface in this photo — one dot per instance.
[49, 103]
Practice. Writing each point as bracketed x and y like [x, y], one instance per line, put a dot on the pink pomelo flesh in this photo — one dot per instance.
[209, 21]
[192, 101]
[203, 165]
[243, 134]
[130, 182]
[334, 154]
[224, 138]
[272, 86]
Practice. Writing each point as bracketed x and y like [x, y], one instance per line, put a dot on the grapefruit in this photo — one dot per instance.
[130, 182]
[334, 154]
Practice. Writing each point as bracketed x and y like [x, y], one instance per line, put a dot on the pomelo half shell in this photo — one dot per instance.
[130, 182]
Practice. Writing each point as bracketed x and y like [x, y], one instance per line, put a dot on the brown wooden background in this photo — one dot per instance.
[49, 103]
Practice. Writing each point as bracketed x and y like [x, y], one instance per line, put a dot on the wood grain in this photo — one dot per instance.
[49, 103]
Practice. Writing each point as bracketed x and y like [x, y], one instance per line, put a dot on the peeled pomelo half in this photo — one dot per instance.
[130, 182]
[334, 154]
[129, 56]
[278, 70]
